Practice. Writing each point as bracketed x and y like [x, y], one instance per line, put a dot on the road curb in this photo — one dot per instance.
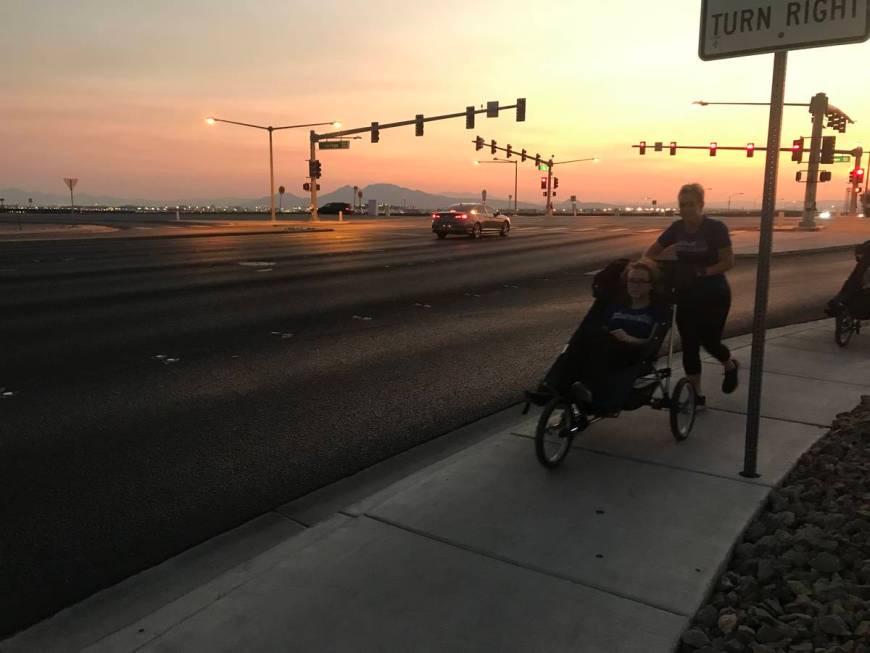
[800, 252]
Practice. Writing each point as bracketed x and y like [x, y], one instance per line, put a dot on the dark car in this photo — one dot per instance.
[469, 219]
[333, 208]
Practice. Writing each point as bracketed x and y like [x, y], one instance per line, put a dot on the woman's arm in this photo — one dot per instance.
[726, 262]
[654, 250]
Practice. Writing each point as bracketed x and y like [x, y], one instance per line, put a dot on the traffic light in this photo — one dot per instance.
[478, 143]
[418, 124]
[537, 160]
[828, 145]
[521, 109]
[798, 175]
[543, 183]
[492, 109]
[713, 148]
[672, 150]
[509, 150]
[797, 149]
[555, 182]
[641, 149]
[750, 150]
[469, 117]
[825, 175]
[859, 176]
[306, 186]
[492, 147]
[317, 167]
[523, 155]
[311, 168]
[851, 176]
[376, 133]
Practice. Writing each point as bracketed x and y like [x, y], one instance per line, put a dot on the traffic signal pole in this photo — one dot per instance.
[549, 209]
[818, 108]
[853, 190]
[313, 179]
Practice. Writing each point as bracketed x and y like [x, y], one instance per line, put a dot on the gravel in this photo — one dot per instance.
[799, 579]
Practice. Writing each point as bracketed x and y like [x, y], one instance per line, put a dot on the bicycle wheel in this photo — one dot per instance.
[844, 326]
[555, 432]
[682, 409]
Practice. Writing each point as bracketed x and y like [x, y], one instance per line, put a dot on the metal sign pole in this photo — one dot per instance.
[768, 206]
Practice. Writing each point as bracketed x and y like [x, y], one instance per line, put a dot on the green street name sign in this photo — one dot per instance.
[842, 158]
[334, 145]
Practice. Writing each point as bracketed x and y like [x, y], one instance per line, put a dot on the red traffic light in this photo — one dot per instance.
[642, 147]
[797, 149]
[543, 183]
[713, 148]
[750, 150]
[859, 175]
[672, 150]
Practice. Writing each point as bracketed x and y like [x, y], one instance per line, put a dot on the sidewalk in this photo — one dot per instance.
[468, 544]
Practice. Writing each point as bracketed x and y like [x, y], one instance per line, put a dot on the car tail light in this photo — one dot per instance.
[435, 216]
[462, 216]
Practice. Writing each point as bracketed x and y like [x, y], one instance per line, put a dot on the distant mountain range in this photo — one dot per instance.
[384, 193]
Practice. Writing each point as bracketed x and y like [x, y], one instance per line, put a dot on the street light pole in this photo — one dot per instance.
[271, 178]
[269, 128]
[497, 160]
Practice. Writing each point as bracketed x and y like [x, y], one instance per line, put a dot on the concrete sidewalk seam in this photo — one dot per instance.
[778, 419]
[514, 563]
[655, 463]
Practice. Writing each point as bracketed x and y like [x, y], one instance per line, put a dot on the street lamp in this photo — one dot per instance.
[497, 160]
[269, 128]
[729, 199]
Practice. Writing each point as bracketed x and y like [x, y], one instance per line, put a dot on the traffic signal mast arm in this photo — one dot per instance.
[741, 148]
[513, 151]
[521, 103]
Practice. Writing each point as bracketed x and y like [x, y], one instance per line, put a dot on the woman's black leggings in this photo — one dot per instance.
[700, 320]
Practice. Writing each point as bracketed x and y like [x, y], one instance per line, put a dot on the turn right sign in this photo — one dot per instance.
[735, 28]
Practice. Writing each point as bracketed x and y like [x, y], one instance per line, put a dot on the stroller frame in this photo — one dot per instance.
[563, 418]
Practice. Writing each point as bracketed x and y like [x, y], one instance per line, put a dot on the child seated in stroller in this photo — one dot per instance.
[599, 365]
[854, 295]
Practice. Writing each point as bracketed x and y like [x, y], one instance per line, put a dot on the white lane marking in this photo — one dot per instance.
[617, 229]
[257, 264]
[593, 273]
[648, 231]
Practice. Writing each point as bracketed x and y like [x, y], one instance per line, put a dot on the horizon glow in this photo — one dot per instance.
[116, 95]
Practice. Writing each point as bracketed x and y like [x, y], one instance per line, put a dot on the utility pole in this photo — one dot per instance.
[818, 108]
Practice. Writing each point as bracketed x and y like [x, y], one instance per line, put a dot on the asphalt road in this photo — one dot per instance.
[168, 389]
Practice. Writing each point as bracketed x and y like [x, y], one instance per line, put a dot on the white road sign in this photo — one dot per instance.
[735, 28]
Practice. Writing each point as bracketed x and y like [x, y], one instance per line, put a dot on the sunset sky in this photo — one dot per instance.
[115, 94]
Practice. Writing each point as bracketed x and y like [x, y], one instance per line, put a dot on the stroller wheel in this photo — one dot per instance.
[844, 326]
[557, 427]
[682, 409]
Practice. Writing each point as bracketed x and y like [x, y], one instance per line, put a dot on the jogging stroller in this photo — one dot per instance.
[852, 303]
[565, 415]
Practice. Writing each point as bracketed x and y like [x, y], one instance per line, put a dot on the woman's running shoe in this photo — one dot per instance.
[729, 383]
